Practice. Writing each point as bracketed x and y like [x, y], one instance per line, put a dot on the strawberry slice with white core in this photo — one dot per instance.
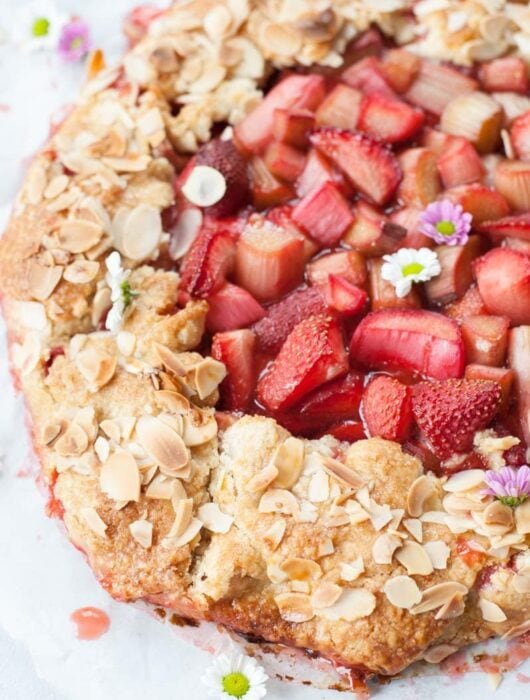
[513, 226]
[345, 297]
[456, 275]
[349, 264]
[235, 349]
[269, 260]
[312, 355]
[503, 376]
[520, 136]
[508, 74]
[483, 203]
[418, 341]
[209, 260]
[255, 131]
[292, 126]
[232, 307]
[512, 181]
[387, 409]
[518, 354]
[369, 165]
[366, 75]
[388, 119]
[436, 85]
[317, 171]
[459, 163]
[371, 233]
[421, 182]
[324, 213]
[340, 108]
[284, 161]
[383, 293]
[486, 339]
[475, 116]
[503, 278]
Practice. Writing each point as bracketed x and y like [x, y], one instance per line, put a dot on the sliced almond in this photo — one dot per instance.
[402, 592]
[81, 271]
[141, 232]
[415, 559]
[436, 654]
[73, 441]
[454, 607]
[415, 527]
[204, 186]
[96, 366]
[161, 487]
[464, 481]
[289, 460]
[275, 534]
[325, 595]
[170, 360]
[351, 572]
[294, 607]
[102, 449]
[521, 583]
[94, 521]
[491, 612]
[497, 513]
[522, 518]
[325, 547]
[172, 401]
[517, 631]
[207, 376]
[142, 532]
[318, 488]
[162, 444]
[438, 553]
[43, 280]
[189, 534]
[263, 479]
[214, 519]
[353, 604]
[437, 595]
[279, 501]
[126, 343]
[343, 474]
[120, 478]
[298, 569]
[77, 236]
[199, 428]
[384, 547]
[184, 232]
[421, 490]
[112, 429]
[183, 517]
[51, 430]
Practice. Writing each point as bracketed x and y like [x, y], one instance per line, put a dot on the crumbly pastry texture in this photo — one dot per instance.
[351, 551]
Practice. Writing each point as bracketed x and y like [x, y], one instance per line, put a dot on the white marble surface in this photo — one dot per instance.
[42, 578]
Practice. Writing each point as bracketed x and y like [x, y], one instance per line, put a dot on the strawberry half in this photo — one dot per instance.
[224, 157]
[232, 307]
[236, 350]
[450, 412]
[369, 165]
[312, 355]
[517, 226]
[387, 409]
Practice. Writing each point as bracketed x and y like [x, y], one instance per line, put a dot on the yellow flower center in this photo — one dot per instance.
[40, 27]
[446, 228]
[413, 268]
[236, 684]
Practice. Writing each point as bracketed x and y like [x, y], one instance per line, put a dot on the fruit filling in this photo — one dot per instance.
[362, 239]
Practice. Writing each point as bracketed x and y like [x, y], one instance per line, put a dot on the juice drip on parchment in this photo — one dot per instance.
[91, 623]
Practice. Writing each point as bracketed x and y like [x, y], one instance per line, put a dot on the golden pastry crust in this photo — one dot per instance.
[316, 544]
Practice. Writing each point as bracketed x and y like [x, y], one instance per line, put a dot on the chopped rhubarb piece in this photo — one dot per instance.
[283, 218]
[449, 413]
[224, 157]
[340, 108]
[412, 340]
[518, 354]
[347, 263]
[324, 213]
[421, 183]
[459, 163]
[267, 190]
[503, 278]
[366, 75]
[347, 431]
[370, 166]
[400, 68]
[345, 297]
[512, 180]
[387, 409]
[436, 85]
[235, 349]
[485, 339]
[318, 170]
[209, 260]
[517, 226]
[232, 307]
[254, 132]
[371, 233]
[337, 400]
[312, 355]
[457, 272]
[475, 116]
[484, 204]
[471, 304]
[281, 318]
[409, 218]
[520, 136]
[507, 74]
[436, 141]
[284, 161]
[269, 261]
[513, 104]
[383, 294]
[389, 119]
[504, 378]
[292, 126]
[517, 244]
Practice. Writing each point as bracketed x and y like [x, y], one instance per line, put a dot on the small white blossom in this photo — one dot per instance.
[120, 291]
[37, 25]
[235, 676]
[408, 266]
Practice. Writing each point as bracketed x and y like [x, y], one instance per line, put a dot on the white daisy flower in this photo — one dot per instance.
[408, 266]
[235, 676]
[121, 293]
[37, 25]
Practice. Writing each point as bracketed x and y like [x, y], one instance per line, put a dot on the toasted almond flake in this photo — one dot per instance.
[141, 232]
[27, 355]
[454, 607]
[402, 592]
[162, 444]
[289, 460]
[126, 342]
[521, 582]
[187, 536]
[300, 586]
[384, 547]
[184, 232]
[354, 604]
[343, 474]
[318, 488]
[100, 304]
[298, 569]
[43, 280]
[172, 402]
[517, 631]
[175, 422]
[351, 572]
[279, 501]
[142, 532]
[178, 491]
[183, 516]
[35, 183]
[522, 518]
[497, 513]
[437, 595]
[275, 534]
[436, 654]
[161, 487]
[96, 366]
[214, 519]
[397, 517]
[464, 481]
[494, 679]
[73, 441]
[380, 515]
[102, 449]
[280, 40]
[276, 575]
[204, 186]
[76, 236]
[491, 612]
[207, 376]
[128, 164]
[356, 512]
[93, 520]
[438, 553]
[51, 430]
[420, 491]
[415, 559]
[294, 607]
[263, 479]
[336, 516]
[120, 478]
[325, 547]
[415, 527]
[81, 271]
[325, 595]
[170, 360]
[199, 429]
[56, 185]
[112, 429]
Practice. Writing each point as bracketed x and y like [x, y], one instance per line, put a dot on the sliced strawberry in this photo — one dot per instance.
[520, 136]
[456, 275]
[503, 278]
[512, 181]
[318, 170]
[269, 260]
[235, 349]
[284, 161]
[383, 293]
[504, 378]
[345, 297]
[267, 190]
[336, 400]
[292, 126]
[485, 339]
[312, 355]
[449, 413]
[209, 260]
[409, 219]
[369, 165]
[347, 431]
[517, 226]
[254, 132]
[224, 157]
[518, 354]
[411, 340]
[367, 76]
[471, 304]
[324, 213]
[387, 409]
[281, 318]
[340, 108]
[421, 182]
[389, 119]
[459, 163]
[484, 204]
[436, 85]
[371, 233]
[508, 74]
[400, 68]
[231, 308]
[349, 264]
[477, 117]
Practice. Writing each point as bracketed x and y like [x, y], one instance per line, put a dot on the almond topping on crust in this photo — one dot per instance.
[289, 460]
[437, 595]
[517, 631]
[72, 442]
[183, 516]
[51, 430]
[438, 553]
[81, 271]
[207, 376]
[439, 653]
[415, 527]
[93, 520]
[497, 513]
[351, 572]
[343, 474]
[120, 478]
[522, 518]
[275, 534]
[353, 604]
[521, 582]
[384, 547]
[454, 607]
[326, 595]
[415, 559]
[43, 280]
[214, 519]
[279, 501]
[187, 536]
[301, 569]
[162, 444]
[111, 429]
[96, 366]
[464, 481]
[491, 612]
[126, 343]
[402, 592]
[262, 479]
[77, 236]
[318, 488]
[141, 232]
[170, 360]
[162, 487]
[199, 428]
[421, 489]
[142, 532]
[294, 607]
[172, 402]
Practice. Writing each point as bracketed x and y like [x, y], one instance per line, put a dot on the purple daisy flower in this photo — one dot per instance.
[74, 41]
[446, 223]
[510, 486]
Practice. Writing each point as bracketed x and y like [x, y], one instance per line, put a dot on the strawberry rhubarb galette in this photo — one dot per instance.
[268, 295]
